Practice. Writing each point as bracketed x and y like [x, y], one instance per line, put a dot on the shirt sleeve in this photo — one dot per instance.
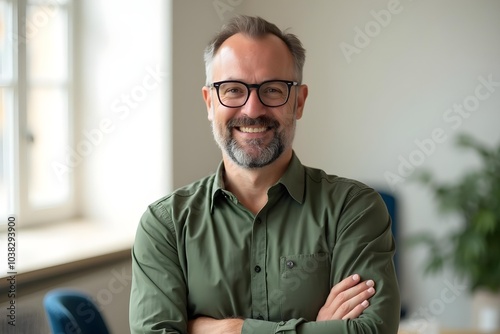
[364, 245]
[158, 294]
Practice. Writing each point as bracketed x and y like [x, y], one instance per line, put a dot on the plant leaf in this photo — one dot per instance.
[484, 221]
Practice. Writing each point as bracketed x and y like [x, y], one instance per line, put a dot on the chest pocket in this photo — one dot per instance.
[304, 284]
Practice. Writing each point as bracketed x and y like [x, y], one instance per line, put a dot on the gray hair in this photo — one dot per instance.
[254, 27]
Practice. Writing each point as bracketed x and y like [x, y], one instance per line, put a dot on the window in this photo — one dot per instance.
[35, 109]
[111, 150]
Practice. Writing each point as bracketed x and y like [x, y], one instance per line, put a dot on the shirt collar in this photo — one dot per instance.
[218, 185]
[292, 180]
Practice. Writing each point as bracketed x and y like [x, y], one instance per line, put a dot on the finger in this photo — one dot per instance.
[353, 303]
[345, 297]
[347, 300]
[351, 308]
[337, 297]
[356, 312]
[342, 286]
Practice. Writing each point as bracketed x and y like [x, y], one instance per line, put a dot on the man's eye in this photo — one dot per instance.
[273, 91]
[233, 91]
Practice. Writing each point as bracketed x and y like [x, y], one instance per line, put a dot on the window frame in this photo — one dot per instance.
[17, 121]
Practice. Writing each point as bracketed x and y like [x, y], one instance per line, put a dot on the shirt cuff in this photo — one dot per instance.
[252, 326]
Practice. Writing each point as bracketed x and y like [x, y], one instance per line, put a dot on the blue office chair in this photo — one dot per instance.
[71, 311]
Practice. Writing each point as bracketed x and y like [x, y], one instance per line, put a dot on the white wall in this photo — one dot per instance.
[195, 153]
[370, 109]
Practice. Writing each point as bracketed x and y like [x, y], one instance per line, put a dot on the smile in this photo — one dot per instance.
[252, 130]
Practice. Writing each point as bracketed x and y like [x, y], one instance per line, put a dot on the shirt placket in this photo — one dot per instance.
[260, 308]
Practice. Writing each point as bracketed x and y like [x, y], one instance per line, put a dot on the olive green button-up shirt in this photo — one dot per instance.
[199, 252]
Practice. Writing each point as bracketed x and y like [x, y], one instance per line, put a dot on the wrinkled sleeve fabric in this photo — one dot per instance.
[158, 293]
[364, 245]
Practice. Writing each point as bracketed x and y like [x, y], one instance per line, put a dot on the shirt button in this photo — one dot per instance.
[290, 264]
[257, 269]
[258, 220]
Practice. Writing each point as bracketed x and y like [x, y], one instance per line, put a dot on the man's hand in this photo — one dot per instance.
[347, 299]
[206, 325]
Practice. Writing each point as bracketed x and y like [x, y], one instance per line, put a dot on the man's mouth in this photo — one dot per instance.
[252, 130]
[255, 126]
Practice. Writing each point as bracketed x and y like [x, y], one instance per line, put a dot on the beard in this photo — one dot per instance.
[253, 153]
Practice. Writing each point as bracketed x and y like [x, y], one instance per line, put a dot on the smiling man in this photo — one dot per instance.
[265, 245]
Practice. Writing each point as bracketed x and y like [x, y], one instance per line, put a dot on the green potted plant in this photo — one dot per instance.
[472, 250]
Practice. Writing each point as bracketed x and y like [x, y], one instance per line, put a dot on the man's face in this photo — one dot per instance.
[254, 135]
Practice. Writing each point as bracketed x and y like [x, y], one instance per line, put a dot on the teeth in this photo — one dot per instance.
[252, 130]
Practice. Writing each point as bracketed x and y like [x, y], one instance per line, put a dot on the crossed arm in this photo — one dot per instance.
[364, 245]
[346, 300]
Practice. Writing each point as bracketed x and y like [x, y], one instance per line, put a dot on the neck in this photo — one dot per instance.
[250, 185]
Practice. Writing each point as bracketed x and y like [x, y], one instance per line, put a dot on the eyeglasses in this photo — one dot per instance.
[234, 94]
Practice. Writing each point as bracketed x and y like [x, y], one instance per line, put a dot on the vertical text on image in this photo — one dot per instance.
[11, 270]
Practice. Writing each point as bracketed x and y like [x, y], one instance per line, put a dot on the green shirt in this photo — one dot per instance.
[199, 252]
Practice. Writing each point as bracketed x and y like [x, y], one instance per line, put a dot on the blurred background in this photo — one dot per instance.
[101, 114]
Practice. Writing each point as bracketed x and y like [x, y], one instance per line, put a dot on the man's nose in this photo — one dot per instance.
[253, 108]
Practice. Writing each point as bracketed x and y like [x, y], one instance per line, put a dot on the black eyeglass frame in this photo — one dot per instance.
[289, 84]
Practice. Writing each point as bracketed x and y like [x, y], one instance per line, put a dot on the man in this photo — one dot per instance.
[266, 245]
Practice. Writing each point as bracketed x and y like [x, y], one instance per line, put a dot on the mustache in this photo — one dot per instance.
[259, 121]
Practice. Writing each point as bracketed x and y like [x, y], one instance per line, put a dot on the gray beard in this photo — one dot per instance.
[264, 154]
[261, 155]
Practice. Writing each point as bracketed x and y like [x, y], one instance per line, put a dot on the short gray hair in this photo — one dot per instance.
[254, 27]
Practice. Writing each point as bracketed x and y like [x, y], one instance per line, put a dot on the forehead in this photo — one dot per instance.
[255, 59]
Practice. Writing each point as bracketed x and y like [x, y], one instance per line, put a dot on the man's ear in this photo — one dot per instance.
[302, 92]
[207, 97]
